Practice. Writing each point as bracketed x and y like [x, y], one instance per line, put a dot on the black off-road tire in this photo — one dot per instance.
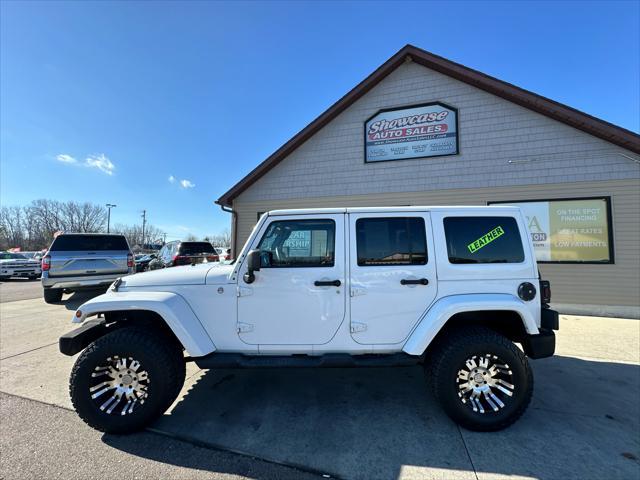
[450, 355]
[52, 295]
[158, 355]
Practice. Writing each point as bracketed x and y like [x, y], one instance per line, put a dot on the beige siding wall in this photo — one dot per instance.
[617, 284]
[493, 132]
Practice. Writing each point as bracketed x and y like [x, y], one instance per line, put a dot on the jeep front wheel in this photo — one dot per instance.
[125, 380]
[481, 379]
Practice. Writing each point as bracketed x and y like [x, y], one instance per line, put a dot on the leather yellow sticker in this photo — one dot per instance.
[486, 239]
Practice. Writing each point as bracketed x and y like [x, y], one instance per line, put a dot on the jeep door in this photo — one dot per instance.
[298, 296]
[393, 278]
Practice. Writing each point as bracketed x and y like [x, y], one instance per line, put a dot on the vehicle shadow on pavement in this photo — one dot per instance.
[383, 423]
[78, 298]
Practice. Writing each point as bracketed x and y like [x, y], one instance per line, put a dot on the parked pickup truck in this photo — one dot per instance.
[18, 265]
[451, 288]
[77, 261]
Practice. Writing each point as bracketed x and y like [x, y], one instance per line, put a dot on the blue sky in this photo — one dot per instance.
[105, 101]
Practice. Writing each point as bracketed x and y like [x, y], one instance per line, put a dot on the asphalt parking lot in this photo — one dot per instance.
[584, 421]
[19, 289]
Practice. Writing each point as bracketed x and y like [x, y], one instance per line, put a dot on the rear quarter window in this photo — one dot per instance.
[93, 243]
[483, 240]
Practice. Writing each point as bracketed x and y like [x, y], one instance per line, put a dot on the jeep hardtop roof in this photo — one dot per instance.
[456, 209]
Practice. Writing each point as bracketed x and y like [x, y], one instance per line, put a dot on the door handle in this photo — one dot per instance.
[327, 283]
[419, 281]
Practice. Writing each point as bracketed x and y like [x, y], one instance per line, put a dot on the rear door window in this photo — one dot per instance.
[91, 243]
[483, 240]
[391, 241]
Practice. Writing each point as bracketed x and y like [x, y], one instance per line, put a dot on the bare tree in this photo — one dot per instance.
[11, 227]
[222, 239]
[32, 227]
[133, 233]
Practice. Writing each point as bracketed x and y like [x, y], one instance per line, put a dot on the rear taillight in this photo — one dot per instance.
[213, 258]
[545, 291]
[180, 260]
[46, 263]
[227, 257]
[130, 260]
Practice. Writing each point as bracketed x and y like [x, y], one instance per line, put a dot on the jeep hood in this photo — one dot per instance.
[184, 275]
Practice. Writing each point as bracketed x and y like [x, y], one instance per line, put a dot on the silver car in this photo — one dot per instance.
[77, 261]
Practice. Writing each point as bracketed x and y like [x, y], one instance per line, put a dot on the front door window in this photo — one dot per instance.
[301, 243]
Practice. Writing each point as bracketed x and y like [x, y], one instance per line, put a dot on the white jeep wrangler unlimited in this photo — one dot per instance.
[452, 288]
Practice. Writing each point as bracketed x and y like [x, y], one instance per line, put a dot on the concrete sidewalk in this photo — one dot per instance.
[66, 449]
[584, 421]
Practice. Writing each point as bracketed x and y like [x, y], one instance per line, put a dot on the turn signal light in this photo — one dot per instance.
[46, 263]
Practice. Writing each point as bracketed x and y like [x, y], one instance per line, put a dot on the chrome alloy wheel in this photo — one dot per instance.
[485, 383]
[121, 385]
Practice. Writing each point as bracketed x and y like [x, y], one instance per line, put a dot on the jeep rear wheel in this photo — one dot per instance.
[125, 380]
[481, 379]
[52, 295]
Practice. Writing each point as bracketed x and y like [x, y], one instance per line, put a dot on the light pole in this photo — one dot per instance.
[109, 207]
[144, 222]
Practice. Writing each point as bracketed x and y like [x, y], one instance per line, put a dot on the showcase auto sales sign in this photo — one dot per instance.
[411, 132]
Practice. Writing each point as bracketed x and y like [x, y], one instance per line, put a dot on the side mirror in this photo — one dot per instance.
[253, 265]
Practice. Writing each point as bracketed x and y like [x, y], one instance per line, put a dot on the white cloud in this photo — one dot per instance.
[187, 184]
[172, 179]
[64, 158]
[101, 162]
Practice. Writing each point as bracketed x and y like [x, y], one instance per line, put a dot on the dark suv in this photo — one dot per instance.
[78, 261]
[184, 253]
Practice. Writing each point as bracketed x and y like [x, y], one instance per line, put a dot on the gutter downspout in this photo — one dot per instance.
[234, 228]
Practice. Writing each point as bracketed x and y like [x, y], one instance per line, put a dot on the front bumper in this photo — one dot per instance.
[544, 343]
[20, 272]
[78, 339]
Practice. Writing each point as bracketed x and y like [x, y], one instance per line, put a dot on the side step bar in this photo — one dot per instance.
[329, 360]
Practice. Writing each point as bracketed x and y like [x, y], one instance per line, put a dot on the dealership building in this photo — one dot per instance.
[423, 130]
